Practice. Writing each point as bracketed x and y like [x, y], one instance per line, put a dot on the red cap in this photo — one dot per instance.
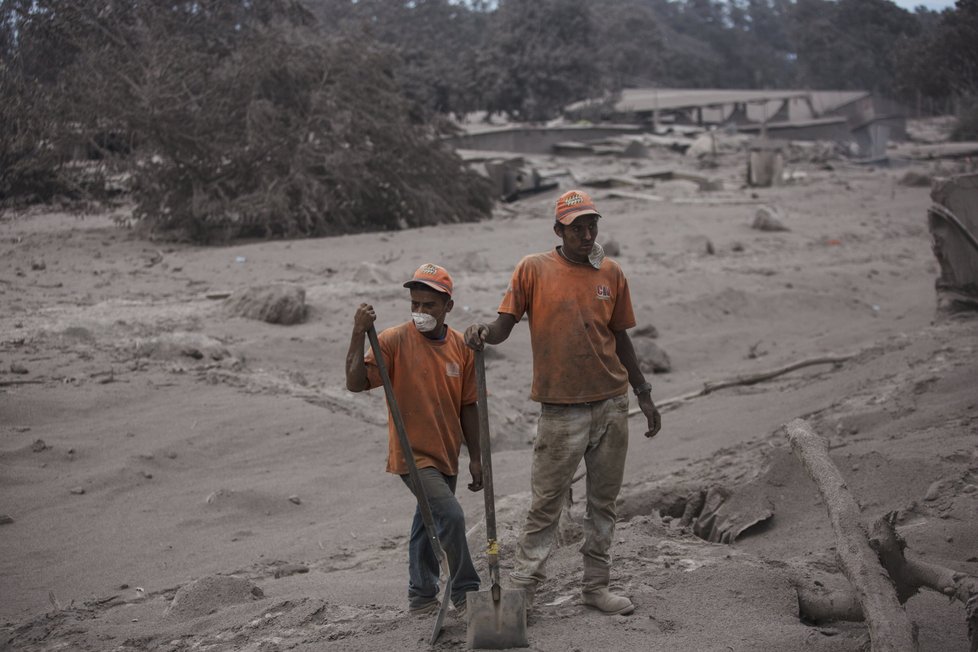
[572, 204]
[434, 276]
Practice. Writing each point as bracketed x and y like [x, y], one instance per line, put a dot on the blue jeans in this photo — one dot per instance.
[450, 524]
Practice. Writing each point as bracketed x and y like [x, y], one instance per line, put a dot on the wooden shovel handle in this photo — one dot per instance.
[423, 505]
[492, 548]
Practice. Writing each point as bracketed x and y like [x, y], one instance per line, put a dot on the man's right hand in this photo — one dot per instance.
[364, 318]
[475, 336]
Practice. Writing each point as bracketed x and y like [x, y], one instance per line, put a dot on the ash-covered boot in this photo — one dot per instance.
[595, 591]
[529, 588]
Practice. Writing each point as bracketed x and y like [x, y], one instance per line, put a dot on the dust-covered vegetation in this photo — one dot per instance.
[229, 118]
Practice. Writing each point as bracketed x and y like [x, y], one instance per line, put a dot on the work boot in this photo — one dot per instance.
[595, 592]
[529, 588]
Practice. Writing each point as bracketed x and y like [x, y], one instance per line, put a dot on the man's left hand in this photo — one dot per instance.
[475, 468]
[651, 413]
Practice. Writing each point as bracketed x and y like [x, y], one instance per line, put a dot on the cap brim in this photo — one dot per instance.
[434, 286]
[570, 217]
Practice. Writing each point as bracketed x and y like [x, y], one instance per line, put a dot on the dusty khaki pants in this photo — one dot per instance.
[598, 432]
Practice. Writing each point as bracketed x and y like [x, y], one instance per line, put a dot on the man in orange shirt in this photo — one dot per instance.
[433, 376]
[579, 308]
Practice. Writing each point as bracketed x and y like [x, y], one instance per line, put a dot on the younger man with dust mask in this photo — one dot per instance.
[583, 362]
[433, 376]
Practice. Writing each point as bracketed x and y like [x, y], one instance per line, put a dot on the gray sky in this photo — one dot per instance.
[936, 5]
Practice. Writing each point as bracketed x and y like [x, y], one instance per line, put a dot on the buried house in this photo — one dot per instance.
[862, 121]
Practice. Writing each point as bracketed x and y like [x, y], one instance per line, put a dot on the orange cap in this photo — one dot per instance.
[434, 276]
[572, 204]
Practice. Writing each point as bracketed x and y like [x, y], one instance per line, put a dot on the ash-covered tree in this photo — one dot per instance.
[35, 137]
[539, 58]
[432, 43]
[628, 43]
[249, 123]
[851, 44]
[942, 64]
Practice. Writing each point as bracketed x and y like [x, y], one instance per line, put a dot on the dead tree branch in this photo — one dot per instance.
[748, 379]
[910, 575]
[889, 626]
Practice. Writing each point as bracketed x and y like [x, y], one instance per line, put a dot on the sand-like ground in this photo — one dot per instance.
[150, 492]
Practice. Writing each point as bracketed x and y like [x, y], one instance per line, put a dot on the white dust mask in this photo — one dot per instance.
[424, 323]
[596, 256]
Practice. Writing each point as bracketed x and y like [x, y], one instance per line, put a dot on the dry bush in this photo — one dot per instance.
[31, 151]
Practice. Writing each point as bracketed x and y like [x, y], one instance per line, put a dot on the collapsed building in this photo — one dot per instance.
[859, 123]
[863, 120]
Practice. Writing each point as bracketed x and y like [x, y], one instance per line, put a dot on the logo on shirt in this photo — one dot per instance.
[451, 370]
[604, 292]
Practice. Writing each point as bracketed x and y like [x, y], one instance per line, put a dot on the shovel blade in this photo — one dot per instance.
[496, 625]
[445, 599]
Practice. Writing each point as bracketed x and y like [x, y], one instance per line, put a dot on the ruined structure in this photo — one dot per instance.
[953, 223]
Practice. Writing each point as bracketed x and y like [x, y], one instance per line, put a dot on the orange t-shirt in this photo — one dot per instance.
[574, 311]
[432, 380]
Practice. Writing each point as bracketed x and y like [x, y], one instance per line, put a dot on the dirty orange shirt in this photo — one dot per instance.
[432, 380]
[573, 311]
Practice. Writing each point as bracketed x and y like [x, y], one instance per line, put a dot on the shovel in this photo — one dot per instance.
[497, 617]
[423, 506]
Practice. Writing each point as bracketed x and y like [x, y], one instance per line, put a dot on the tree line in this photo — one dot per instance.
[312, 117]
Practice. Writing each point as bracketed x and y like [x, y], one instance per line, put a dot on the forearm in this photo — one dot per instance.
[470, 431]
[500, 329]
[356, 367]
[626, 353]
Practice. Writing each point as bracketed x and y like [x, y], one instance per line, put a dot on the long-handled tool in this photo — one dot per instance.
[497, 617]
[423, 506]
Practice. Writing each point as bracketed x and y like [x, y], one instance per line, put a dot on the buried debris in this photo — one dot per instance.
[667, 174]
[768, 219]
[512, 177]
[765, 163]
[882, 576]
[651, 357]
[210, 594]
[953, 224]
[275, 304]
[909, 575]
[890, 628]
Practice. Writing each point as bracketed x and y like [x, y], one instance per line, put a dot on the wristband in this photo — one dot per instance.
[643, 388]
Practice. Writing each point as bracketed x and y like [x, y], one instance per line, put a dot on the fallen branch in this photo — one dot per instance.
[7, 383]
[819, 603]
[889, 625]
[909, 575]
[748, 379]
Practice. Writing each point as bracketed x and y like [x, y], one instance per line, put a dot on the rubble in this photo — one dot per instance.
[953, 224]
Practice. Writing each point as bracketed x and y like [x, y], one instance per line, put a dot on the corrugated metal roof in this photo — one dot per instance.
[651, 99]
[717, 103]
